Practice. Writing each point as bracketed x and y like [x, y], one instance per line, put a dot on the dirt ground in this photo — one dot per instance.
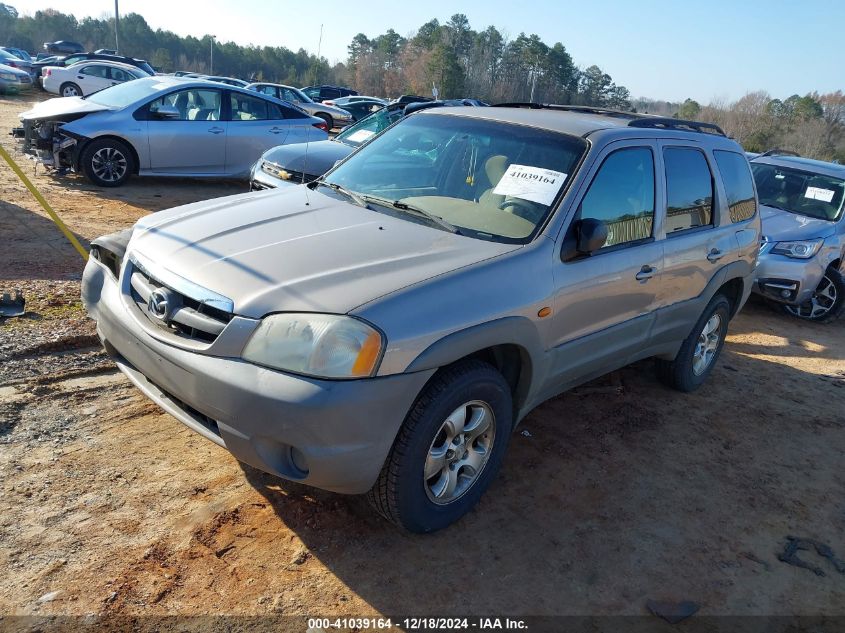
[606, 500]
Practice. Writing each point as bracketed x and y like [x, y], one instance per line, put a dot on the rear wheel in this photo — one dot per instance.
[328, 119]
[70, 89]
[700, 350]
[107, 162]
[827, 302]
[448, 450]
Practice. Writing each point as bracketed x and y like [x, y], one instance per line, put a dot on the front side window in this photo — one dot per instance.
[689, 189]
[268, 90]
[118, 74]
[622, 196]
[488, 179]
[798, 191]
[739, 186]
[292, 96]
[195, 104]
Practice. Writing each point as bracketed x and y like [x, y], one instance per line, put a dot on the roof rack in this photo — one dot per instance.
[571, 108]
[666, 123]
[779, 152]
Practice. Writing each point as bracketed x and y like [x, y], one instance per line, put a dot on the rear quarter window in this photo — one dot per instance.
[739, 185]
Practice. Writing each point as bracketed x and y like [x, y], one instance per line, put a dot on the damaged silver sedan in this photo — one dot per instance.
[162, 126]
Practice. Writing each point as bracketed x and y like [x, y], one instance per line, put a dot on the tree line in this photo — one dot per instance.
[457, 60]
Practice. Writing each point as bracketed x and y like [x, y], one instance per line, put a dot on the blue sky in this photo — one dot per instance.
[657, 48]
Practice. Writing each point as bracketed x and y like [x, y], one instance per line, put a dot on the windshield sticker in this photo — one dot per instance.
[817, 193]
[360, 136]
[530, 183]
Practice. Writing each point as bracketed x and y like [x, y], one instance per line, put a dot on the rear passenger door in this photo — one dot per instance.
[698, 242]
[604, 304]
[255, 126]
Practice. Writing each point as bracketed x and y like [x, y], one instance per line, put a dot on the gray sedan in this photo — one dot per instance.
[162, 126]
[13, 80]
[333, 116]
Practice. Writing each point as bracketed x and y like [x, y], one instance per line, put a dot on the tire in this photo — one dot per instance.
[827, 303]
[693, 362]
[70, 89]
[403, 494]
[107, 162]
[328, 119]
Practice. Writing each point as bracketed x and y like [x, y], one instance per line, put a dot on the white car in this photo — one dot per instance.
[87, 77]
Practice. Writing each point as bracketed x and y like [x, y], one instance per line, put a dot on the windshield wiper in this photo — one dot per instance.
[357, 199]
[404, 206]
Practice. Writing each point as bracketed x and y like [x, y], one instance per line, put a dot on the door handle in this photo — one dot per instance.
[276, 130]
[215, 130]
[714, 255]
[646, 273]
[80, 76]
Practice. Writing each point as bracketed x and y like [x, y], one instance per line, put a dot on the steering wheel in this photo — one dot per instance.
[525, 209]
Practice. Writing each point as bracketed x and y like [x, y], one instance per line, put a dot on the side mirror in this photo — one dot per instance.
[592, 234]
[166, 112]
[582, 238]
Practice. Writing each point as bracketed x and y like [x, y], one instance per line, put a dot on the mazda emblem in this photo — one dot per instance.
[158, 304]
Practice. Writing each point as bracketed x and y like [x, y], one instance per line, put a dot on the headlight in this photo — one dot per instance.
[323, 345]
[800, 250]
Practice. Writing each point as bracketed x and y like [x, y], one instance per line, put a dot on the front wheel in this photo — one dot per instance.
[107, 162]
[700, 350]
[827, 302]
[448, 450]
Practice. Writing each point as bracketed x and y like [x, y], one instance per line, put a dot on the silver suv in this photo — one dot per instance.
[803, 247]
[384, 328]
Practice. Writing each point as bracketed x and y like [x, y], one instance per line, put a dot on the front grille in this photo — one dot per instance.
[179, 314]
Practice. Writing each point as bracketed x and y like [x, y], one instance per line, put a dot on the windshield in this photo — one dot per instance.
[798, 191]
[488, 179]
[125, 94]
[370, 125]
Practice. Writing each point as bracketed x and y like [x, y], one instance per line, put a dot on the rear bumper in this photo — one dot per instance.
[333, 435]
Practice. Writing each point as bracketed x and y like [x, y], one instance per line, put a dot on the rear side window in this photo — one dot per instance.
[736, 176]
[689, 189]
[622, 196]
[96, 71]
[246, 108]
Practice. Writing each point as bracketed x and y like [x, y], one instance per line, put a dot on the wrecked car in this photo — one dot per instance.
[162, 126]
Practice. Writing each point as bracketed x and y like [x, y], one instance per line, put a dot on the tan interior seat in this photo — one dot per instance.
[494, 169]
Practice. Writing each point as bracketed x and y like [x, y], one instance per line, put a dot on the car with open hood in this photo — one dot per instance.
[384, 329]
[802, 253]
[162, 126]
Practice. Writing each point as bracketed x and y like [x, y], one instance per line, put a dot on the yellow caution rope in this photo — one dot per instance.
[37, 194]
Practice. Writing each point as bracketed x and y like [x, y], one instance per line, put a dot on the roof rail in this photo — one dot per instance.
[776, 151]
[571, 108]
[666, 123]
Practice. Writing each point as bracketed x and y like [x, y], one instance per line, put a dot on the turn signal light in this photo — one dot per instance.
[323, 126]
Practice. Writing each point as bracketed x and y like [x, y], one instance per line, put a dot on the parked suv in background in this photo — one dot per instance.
[386, 327]
[803, 247]
[321, 93]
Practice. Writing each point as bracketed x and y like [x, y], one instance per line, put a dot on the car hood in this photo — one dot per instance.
[61, 107]
[300, 250]
[782, 226]
[311, 158]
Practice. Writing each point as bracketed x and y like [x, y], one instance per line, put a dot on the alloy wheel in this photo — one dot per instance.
[459, 452]
[708, 345]
[822, 301]
[109, 164]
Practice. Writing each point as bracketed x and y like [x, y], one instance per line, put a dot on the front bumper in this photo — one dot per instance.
[786, 279]
[333, 435]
